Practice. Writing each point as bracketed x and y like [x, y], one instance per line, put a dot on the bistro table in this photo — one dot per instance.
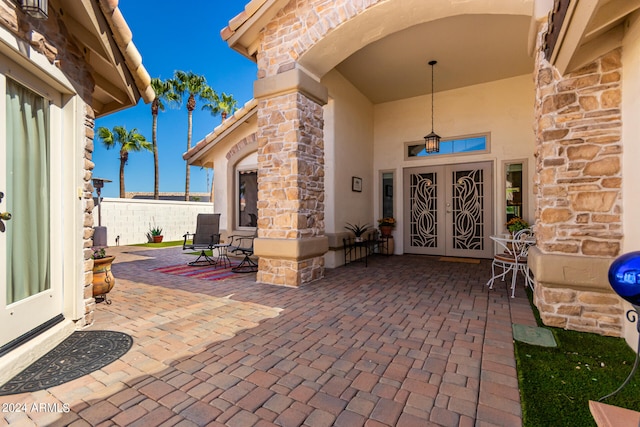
[223, 257]
[512, 258]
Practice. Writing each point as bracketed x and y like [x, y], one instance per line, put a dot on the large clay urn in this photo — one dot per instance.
[103, 280]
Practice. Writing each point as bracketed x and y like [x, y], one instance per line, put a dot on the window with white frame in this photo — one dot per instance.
[247, 201]
[462, 145]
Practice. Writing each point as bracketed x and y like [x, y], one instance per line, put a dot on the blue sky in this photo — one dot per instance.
[175, 36]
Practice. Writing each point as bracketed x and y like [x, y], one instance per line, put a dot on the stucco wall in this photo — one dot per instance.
[631, 135]
[502, 108]
[131, 219]
[348, 153]
[631, 149]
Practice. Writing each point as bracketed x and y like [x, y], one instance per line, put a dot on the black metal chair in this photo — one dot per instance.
[243, 245]
[206, 236]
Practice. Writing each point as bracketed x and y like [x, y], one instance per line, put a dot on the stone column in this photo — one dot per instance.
[291, 241]
[577, 190]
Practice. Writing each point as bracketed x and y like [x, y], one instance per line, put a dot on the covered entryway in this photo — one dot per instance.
[344, 95]
[448, 210]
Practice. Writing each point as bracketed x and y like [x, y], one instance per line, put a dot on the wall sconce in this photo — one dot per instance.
[35, 8]
[432, 141]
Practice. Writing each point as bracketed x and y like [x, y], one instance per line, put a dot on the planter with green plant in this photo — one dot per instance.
[155, 234]
[103, 279]
[358, 230]
[386, 225]
[516, 224]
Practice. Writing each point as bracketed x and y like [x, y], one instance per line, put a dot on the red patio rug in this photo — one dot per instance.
[203, 273]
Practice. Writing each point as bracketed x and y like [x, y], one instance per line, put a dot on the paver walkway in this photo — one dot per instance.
[408, 341]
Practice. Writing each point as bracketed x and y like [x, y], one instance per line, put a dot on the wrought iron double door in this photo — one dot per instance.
[449, 210]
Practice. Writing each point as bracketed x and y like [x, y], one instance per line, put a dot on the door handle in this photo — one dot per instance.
[4, 216]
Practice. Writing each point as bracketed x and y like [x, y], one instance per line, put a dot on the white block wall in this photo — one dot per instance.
[131, 218]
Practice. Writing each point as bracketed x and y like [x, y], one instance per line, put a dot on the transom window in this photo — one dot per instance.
[464, 145]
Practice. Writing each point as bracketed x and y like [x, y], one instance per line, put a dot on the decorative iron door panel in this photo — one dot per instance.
[424, 218]
[449, 210]
[470, 210]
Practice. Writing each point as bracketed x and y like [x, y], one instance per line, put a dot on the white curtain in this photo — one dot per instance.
[27, 193]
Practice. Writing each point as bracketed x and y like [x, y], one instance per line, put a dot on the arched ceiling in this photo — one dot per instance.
[384, 50]
[470, 49]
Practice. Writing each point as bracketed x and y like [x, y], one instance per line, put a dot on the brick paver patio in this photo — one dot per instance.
[407, 341]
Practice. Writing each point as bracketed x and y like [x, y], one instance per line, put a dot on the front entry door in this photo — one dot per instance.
[448, 210]
[30, 287]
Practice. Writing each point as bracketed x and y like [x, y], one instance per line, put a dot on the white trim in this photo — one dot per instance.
[20, 52]
[501, 202]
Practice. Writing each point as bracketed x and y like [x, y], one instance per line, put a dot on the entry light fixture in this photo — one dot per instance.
[432, 141]
[35, 8]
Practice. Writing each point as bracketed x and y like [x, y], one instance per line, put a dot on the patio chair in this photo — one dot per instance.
[206, 236]
[243, 245]
[513, 259]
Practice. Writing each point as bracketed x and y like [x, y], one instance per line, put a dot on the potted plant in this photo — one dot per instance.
[155, 234]
[516, 224]
[386, 224]
[358, 230]
[103, 280]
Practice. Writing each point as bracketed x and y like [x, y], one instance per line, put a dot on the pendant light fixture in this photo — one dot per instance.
[432, 141]
[35, 8]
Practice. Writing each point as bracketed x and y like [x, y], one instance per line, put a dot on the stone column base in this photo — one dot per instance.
[573, 292]
[290, 262]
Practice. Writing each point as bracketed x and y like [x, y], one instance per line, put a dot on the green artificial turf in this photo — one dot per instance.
[161, 245]
[556, 384]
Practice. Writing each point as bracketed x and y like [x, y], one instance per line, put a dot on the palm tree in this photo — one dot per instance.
[223, 105]
[211, 100]
[128, 141]
[164, 93]
[196, 86]
[227, 105]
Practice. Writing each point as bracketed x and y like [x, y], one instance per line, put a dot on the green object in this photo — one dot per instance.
[556, 383]
[160, 245]
[533, 335]
[357, 229]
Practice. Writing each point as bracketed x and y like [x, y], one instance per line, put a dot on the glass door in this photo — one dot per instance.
[29, 294]
[448, 210]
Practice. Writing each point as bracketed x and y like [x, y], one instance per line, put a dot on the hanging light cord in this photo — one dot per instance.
[432, 63]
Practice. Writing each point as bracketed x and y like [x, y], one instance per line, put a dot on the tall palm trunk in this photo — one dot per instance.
[154, 142]
[191, 105]
[124, 156]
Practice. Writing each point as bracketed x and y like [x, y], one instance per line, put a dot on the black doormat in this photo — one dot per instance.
[80, 354]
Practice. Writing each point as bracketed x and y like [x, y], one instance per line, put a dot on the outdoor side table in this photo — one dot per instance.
[357, 250]
[223, 257]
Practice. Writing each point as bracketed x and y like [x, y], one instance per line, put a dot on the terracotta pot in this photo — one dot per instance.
[157, 239]
[103, 280]
[385, 230]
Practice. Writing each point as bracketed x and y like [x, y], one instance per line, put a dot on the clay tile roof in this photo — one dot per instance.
[244, 29]
[249, 10]
[211, 139]
[124, 39]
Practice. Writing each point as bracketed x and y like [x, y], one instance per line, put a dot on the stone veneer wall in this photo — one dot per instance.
[578, 191]
[299, 26]
[290, 139]
[88, 222]
[290, 183]
[56, 45]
